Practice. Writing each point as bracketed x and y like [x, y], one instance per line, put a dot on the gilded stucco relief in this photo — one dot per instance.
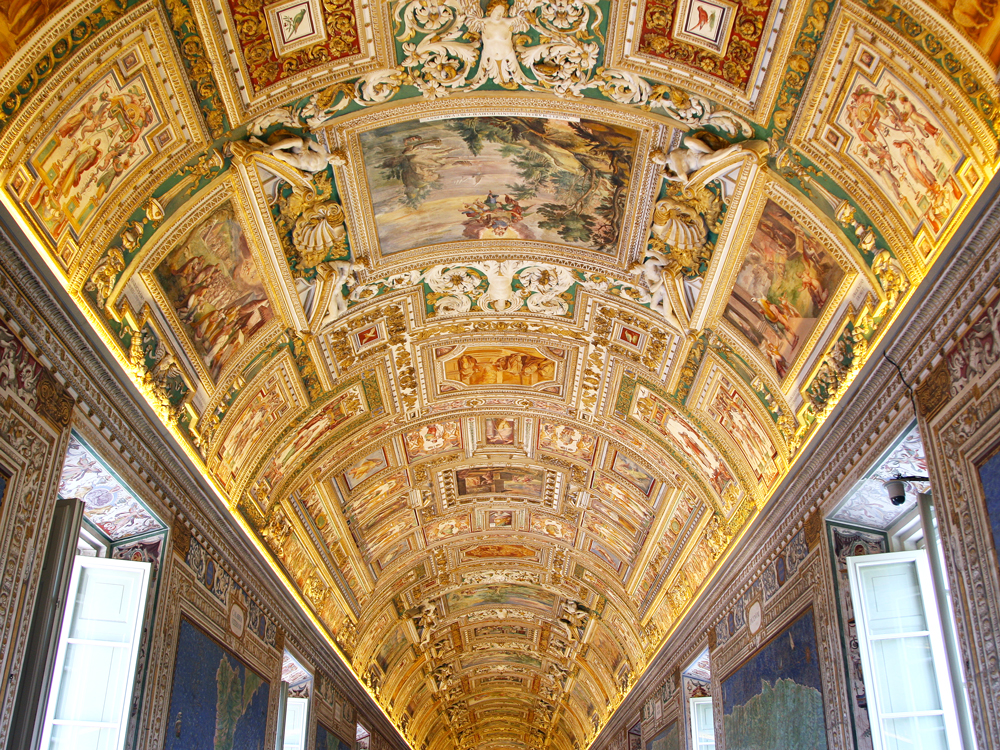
[496, 323]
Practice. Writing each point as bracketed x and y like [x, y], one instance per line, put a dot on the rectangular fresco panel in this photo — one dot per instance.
[780, 680]
[92, 149]
[607, 555]
[560, 438]
[212, 282]
[633, 472]
[989, 475]
[305, 438]
[733, 412]
[503, 365]
[510, 595]
[489, 481]
[368, 466]
[668, 739]
[782, 288]
[898, 141]
[248, 427]
[373, 498]
[500, 519]
[518, 178]
[433, 438]
[217, 702]
[685, 437]
[500, 431]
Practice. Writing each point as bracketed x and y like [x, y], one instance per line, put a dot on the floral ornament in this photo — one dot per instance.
[450, 46]
[546, 287]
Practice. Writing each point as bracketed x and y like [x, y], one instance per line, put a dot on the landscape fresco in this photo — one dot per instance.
[518, 178]
[989, 475]
[784, 285]
[327, 740]
[781, 680]
[214, 286]
[217, 701]
[901, 145]
[90, 152]
[668, 739]
[507, 595]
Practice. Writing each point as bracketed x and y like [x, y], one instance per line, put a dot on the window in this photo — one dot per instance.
[297, 685]
[362, 736]
[96, 655]
[910, 697]
[702, 725]
[296, 723]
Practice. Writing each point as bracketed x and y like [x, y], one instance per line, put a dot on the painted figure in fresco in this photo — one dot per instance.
[89, 152]
[495, 216]
[211, 280]
[500, 432]
[903, 148]
[775, 315]
[574, 616]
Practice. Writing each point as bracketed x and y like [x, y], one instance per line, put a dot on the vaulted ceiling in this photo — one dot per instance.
[495, 324]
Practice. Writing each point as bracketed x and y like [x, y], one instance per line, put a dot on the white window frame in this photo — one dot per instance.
[934, 634]
[79, 564]
[693, 703]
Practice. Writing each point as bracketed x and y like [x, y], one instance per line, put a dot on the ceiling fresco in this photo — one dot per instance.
[494, 324]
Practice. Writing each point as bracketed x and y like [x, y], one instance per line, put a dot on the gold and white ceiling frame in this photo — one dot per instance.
[653, 133]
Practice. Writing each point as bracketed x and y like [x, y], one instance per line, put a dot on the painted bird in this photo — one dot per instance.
[292, 24]
[704, 18]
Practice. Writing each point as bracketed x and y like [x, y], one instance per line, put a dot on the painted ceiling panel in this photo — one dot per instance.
[496, 322]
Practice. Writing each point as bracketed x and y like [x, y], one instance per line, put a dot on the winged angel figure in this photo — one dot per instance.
[444, 58]
[498, 60]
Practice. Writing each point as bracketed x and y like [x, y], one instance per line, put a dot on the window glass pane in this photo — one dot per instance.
[704, 729]
[81, 738]
[105, 605]
[915, 733]
[905, 675]
[93, 680]
[892, 598]
[295, 723]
